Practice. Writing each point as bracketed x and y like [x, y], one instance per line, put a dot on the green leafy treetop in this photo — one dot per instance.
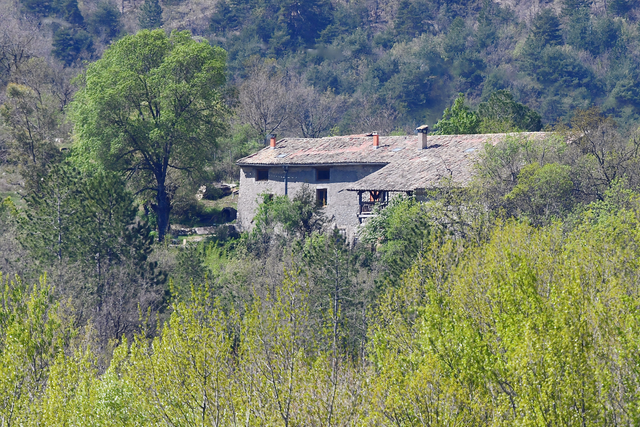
[458, 120]
[152, 107]
[150, 15]
[501, 113]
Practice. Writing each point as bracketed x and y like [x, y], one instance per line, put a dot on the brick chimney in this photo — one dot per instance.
[272, 140]
[376, 140]
[422, 136]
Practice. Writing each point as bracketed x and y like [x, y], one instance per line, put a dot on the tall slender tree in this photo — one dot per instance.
[150, 15]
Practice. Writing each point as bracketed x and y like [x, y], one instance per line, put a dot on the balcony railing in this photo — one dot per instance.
[367, 209]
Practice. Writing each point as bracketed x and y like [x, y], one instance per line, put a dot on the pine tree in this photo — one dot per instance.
[569, 7]
[545, 28]
[69, 11]
[150, 15]
[620, 7]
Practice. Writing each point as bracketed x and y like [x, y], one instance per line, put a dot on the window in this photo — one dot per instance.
[262, 174]
[323, 174]
[321, 197]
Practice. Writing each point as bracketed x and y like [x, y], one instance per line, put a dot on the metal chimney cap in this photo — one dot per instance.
[422, 129]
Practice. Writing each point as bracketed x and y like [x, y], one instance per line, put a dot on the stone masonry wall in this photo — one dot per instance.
[342, 205]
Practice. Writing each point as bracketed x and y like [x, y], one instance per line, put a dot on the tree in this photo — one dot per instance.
[106, 21]
[19, 42]
[266, 103]
[619, 7]
[34, 329]
[69, 11]
[152, 105]
[314, 113]
[569, 7]
[458, 119]
[33, 120]
[545, 28]
[53, 216]
[542, 192]
[150, 15]
[70, 45]
[37, 7]
[502, 113]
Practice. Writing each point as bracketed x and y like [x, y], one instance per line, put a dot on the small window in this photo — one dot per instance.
[323, 174]
[262, 174]
[321, 197]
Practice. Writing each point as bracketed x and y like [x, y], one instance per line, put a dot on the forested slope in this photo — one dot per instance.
[372, 64]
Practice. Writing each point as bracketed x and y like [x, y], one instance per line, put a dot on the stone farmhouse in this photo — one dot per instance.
[352, 174]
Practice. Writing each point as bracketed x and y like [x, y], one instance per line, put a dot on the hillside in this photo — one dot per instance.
[388, 65]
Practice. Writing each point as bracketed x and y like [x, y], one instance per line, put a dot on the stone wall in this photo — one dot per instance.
[342, 205]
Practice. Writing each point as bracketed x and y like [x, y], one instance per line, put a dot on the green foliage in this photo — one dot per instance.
[37, 7]
[571, 7]
[68, 10]
[106, 21]
[150, 15]
[34, 331]
[543, 191]
[71, 45]
[619, 7]
[297, 216]
[524, 315]
[408, 21]
[283, 24]
[502, 113]
[152, 104]
[32, 119]
[54, 215]
[399, 231]
[545, 29]
[458, 119]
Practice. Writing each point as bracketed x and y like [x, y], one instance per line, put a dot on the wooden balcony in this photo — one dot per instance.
[367, 208]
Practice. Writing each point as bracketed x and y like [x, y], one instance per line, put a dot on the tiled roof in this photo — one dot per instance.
[407, 165]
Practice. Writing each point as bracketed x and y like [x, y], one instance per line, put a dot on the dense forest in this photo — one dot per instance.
[512, 301]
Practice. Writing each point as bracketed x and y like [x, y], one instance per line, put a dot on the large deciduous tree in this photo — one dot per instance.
[152, 104]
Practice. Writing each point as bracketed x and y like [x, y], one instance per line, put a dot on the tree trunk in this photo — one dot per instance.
[162, 208]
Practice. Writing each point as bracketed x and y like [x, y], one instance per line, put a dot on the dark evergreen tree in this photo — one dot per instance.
[607, 34]
[106, 21]
[570, 7]
[455, 42]
[37, 7]
[545, 28]
[229, 15]
[150, 15]
[620, 7]
[53, 216]
[70, 45]
[69, 11]
[486, 33]
[408, 22]
[303, 19]
[580, 31]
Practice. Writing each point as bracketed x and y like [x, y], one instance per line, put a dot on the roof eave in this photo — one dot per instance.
[323, 164]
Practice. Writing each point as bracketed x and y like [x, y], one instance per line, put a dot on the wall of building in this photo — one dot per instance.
[342, 205]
